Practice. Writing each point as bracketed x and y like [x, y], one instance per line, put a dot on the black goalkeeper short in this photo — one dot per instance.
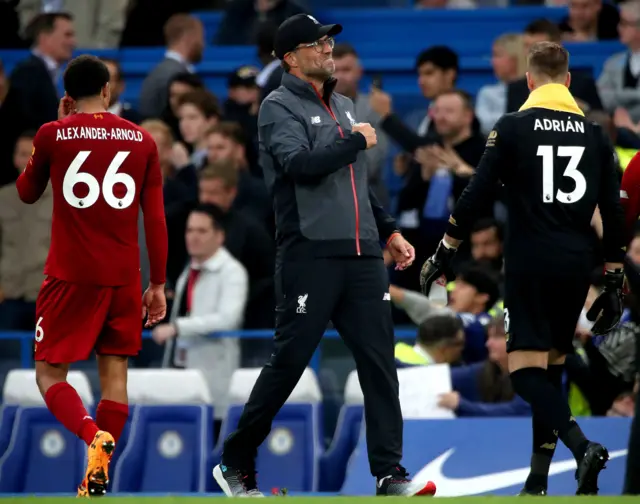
[541, 311]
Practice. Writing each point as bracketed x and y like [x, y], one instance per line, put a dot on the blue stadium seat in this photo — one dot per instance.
[7, 416]
[333, 463]
[289, 456]
[41, 456]
[121, 444]
[431, 26]
[394, 59]
[171, 435]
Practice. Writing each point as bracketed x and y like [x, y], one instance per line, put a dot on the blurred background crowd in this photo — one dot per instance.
[193, 74]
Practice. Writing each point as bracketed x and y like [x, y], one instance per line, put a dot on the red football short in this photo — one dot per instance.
[74, 319]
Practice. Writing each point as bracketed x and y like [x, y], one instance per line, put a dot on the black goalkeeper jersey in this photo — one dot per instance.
[556, 168]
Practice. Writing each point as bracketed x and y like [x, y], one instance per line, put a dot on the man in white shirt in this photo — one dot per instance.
[210, 297]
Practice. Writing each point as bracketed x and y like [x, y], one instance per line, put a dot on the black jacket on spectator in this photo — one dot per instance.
[250, 243]
[32, 88]
[180, 196]
[607, 22]
[582, 87]
[241, 114]
[253, 198]
[32, 101]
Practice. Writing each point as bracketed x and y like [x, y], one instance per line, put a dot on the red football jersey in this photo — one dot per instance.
[630, 193]
[102, 170]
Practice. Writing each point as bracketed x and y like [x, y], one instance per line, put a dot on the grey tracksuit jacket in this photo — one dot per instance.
[310, 160]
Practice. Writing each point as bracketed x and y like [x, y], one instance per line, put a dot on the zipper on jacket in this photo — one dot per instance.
[353, 176]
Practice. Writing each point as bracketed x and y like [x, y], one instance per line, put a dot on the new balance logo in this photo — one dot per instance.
[315, 120]
[351, 119]
[386, 296]
[302, 304]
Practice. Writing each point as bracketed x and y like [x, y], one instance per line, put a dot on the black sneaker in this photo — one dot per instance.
[236, 482]
[398, 483]
[594, 461]
[541, 492]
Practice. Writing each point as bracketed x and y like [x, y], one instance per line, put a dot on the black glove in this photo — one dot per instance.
[437, 265]
[606, 310]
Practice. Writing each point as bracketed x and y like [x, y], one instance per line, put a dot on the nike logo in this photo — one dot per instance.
[473, 485]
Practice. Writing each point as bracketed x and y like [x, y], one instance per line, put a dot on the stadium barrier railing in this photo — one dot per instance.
[26, 340]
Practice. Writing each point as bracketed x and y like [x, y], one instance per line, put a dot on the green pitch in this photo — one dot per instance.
[332, 500]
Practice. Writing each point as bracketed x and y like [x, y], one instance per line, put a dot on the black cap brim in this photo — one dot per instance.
[331, 30]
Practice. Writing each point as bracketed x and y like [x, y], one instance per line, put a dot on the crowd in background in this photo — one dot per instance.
[207, 147]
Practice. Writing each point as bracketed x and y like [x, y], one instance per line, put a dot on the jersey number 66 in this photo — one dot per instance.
[73, 176]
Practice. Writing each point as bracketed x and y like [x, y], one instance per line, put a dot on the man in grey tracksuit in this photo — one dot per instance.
[329, 264]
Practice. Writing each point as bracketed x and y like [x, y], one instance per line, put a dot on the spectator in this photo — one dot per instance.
[271, 74]
[210, 296]
[618, 82]
[177, 194]
[250, 243]
[184, 36]
[102, 21]
[486, 244]
[508, 62]
[440, 341]
[590, 20]
[227, 141]
[26, 235]
[242, 107]
[437, 69]
[242, 19]
[348, 72]
[446, 163]
[180, 85]
[33, 95]
[116, 86]
[198, 112]
[582, 86]
[484, 389]
[475, 293]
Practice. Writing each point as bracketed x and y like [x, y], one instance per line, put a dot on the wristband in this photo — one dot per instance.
[393, 235]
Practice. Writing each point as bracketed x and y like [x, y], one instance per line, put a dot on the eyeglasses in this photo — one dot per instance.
[318, 45]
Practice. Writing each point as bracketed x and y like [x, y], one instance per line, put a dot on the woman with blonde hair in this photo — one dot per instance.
[508, 62]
